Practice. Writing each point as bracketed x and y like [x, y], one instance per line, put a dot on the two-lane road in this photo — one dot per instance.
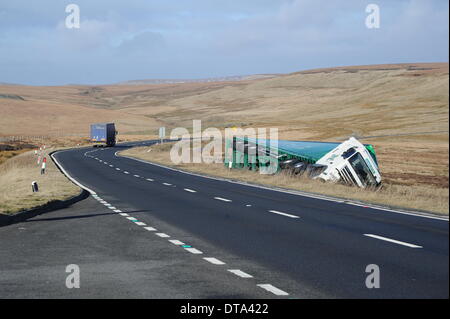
[154, 232]
[310, 247]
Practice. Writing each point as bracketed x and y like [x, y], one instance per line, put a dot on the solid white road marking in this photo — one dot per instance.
[176, 242]
[190, 190]
[194, 251]
[240, 273]
[283, 214]
[150, 228]
[223, 199]
[214, 261]
[162, 235]
[273, 289]
[393, 241]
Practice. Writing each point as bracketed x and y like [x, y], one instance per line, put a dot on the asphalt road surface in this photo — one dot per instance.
[152, 232]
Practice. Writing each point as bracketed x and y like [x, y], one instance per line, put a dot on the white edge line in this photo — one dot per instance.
[68, 175]
[297, 193]
[393, 241]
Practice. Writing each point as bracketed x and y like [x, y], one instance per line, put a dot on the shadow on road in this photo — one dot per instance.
[79, 216]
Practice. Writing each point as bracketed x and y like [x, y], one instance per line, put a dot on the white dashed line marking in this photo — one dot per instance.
[194, 251]
[126, 172]
[393, 241]
[162, 235]
[117, 211]
[223, 199]
[240, 273]
[273, 289]
[150, 228]
[150, 180]
[283, 214]
[176, 242]
[112, 208]
[124, 214]
[140, 223]
[167, 184]
[107, 205]
[214, 261]
[136, 175]
[190, 190]
[117, 169]
[132, 218]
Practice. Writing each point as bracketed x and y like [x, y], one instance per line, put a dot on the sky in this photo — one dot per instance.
[191, 39]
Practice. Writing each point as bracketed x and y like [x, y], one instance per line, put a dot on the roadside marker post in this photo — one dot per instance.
[162, 133]
[34, 187]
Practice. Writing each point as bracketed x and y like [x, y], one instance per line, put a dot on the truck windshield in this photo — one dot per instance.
[361, 169]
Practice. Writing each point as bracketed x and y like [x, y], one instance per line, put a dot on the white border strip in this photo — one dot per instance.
[68, 175]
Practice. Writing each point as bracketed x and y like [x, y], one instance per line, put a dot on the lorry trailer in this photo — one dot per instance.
[350, 162]
[103, 134]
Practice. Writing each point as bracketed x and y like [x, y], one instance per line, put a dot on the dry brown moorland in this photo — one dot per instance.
[402, 109]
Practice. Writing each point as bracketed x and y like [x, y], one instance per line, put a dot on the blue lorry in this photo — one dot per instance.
[103, 134]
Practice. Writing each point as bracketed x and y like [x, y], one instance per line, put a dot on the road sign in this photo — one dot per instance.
[162, 133]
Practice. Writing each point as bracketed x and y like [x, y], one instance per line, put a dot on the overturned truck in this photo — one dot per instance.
[349, 162]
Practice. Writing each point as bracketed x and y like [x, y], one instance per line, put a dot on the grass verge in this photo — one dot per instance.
[16, 175]
[418, 197]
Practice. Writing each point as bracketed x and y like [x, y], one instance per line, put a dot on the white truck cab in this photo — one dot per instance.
[351, 163]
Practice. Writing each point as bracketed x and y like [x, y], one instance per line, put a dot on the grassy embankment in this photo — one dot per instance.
[18, 168]
[419, 197]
